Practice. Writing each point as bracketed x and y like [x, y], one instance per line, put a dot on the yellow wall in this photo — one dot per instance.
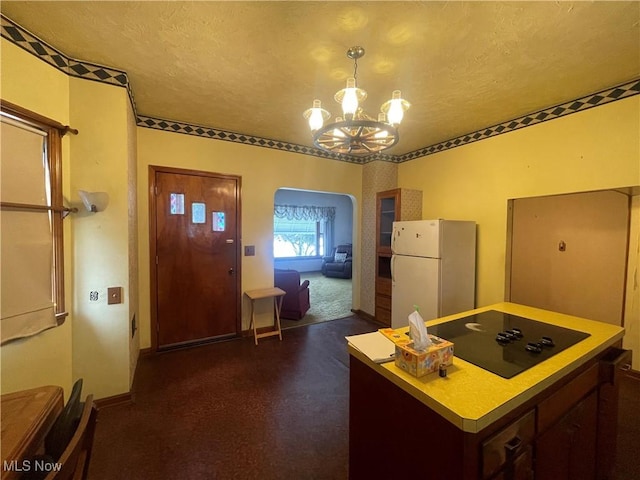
[94, 341]
[132, 200]
[632, 300]
[263, 171]
[99, 163]
[591, 150]
[46, 358]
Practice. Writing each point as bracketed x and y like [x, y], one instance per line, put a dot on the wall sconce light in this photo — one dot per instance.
[94, 201]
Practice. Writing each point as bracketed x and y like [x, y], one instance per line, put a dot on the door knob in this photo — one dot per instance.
[231, 271]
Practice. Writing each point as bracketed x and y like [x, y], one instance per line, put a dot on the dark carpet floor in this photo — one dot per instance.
[232, 410]
[628, 446]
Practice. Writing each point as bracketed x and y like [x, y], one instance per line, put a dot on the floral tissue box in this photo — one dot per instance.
[419, 363]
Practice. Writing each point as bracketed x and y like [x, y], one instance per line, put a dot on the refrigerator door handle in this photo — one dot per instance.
[393, 240]
[393, 260]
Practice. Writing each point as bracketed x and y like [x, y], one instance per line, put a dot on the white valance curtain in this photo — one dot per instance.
[26, 292]
[304, 212]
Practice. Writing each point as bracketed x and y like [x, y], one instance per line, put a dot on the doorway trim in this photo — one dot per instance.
[153, 283]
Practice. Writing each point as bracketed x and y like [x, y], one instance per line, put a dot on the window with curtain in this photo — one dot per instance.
[302, 231]
[32, 290]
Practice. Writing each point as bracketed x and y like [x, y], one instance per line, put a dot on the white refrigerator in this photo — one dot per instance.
[433, 267]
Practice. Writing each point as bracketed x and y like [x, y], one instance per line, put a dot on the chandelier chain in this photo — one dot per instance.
[355, 70]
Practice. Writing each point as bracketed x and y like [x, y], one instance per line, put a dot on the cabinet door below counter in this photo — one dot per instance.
[568, 448]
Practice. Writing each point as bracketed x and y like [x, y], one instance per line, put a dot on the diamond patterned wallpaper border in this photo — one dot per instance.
[208, 132]
[557, 111]
[76, 68]
[100, 73]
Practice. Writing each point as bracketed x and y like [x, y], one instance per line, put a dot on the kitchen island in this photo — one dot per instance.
[555, 420]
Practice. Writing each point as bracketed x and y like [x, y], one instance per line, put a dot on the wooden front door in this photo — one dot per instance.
[195, 232]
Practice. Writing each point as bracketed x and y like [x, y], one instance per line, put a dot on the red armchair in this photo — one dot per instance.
[296, 301]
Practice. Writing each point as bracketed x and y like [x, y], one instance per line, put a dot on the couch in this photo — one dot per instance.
[338, 264]
[295, 303]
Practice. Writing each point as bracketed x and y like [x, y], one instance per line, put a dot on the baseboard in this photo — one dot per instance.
[635, 374]
[115, 400]
[368, 316]
[145, 352]
[363, 314]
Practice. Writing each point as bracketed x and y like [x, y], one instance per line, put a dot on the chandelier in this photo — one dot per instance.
[356, 133]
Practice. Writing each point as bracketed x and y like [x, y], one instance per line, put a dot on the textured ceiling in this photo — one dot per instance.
[254, 67]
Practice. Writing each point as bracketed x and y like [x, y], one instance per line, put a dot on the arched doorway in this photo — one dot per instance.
[308, 227]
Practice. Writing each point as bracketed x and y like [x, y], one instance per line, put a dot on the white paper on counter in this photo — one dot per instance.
[374, 345]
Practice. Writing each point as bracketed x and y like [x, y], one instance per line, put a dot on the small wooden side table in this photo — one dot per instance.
[277, 294]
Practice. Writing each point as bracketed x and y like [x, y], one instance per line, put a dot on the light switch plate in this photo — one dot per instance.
[114, 295]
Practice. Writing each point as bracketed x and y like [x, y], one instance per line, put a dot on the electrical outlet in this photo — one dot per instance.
[93, 296]
[249, 250]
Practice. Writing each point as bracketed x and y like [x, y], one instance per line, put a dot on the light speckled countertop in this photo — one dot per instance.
[472, 398]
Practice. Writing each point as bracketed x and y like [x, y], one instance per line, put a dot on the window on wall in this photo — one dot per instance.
[297, 238]
[301, 231]
[32, 283]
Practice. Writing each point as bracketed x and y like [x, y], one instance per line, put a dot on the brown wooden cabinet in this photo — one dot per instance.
[555, 434]
[509, 452]
[565, 437]
[568, 448]
[391, 205]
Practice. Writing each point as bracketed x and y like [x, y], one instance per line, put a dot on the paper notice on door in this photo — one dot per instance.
[374, 345]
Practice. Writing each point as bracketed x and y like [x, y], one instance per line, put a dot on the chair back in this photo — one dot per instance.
[346, 248]
[65, 425]
[74, 461]
[287, 280]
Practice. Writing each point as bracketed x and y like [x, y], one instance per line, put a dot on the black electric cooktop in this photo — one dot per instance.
[505, 344]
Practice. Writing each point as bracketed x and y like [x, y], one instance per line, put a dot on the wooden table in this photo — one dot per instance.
[277, 294]
[27, 417]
